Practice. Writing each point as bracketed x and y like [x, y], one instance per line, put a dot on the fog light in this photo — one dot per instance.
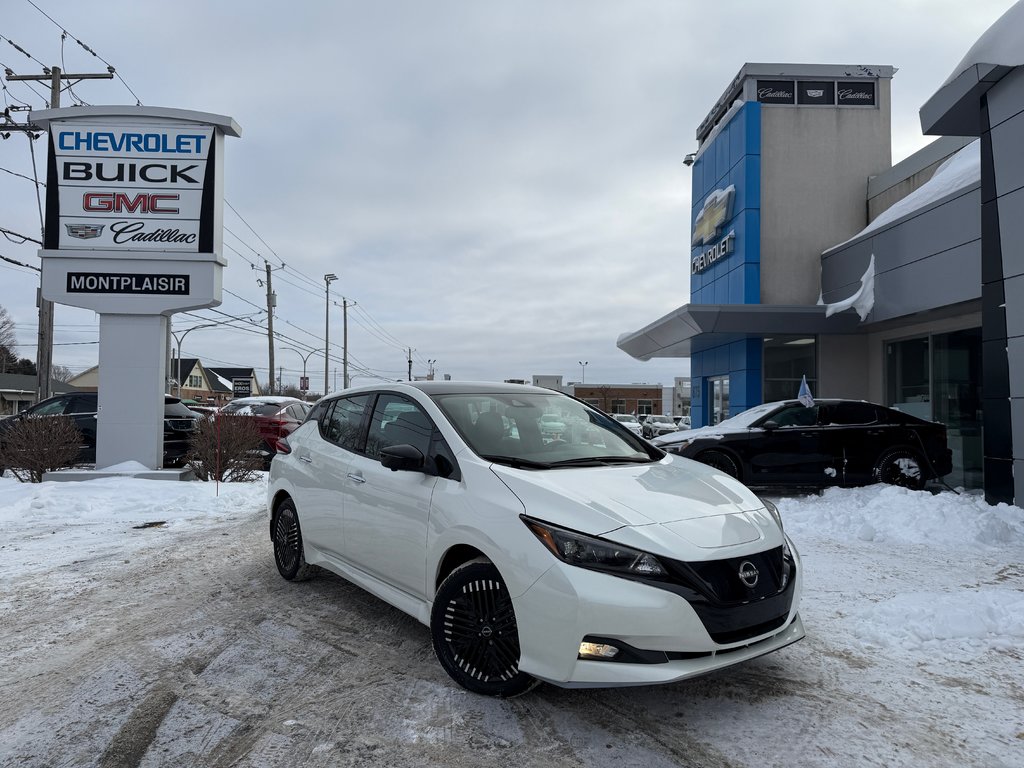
[598, 651]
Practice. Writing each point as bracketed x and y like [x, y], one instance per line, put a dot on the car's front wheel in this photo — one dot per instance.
[900, 466]
[721, 461]
[474, 631]
[288, 551]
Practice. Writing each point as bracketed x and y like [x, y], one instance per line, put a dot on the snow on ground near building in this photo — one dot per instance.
[914, 606]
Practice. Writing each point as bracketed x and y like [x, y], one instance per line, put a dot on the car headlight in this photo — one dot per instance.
[593, 553]
[777, 517]
[676, 447]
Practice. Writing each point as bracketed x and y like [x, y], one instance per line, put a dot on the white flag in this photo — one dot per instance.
[804, 395]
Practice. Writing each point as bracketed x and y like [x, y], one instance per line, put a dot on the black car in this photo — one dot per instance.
[831, 443]
[179, 422]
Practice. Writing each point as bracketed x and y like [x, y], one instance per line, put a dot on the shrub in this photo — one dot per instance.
[225, 448]
[38, 444]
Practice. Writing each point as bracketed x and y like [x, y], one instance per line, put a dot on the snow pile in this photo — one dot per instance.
[977, 619]
[864, 298]
[885, 513]
[1002, 43]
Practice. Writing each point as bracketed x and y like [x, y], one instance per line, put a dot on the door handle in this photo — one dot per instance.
[306, 459]
[356, 478]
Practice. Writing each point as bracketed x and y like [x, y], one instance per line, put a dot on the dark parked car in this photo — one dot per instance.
[833, 442]
[179, 422]
[276, 416]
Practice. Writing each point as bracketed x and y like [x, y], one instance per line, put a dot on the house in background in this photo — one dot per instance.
[206, 386]
[18, 392]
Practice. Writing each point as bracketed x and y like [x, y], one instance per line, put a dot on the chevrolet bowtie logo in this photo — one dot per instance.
[716, 211]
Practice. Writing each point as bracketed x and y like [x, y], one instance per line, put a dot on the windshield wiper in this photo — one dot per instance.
[515, 462]
[601, 461]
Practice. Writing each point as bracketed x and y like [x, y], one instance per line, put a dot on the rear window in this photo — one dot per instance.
[252, 409]
[178, 410]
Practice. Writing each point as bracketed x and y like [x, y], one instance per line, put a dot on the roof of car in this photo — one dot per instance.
[274, 399]
[457, 387]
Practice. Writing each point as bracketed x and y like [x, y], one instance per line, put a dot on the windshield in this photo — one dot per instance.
[748, 417]
[540, 430]
[252, 408]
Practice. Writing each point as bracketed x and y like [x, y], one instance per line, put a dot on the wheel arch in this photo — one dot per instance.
[725, 451]
[454, 556]
[275, 504]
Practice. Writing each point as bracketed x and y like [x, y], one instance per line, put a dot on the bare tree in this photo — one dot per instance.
[38, 444]
[224, 447]
[7, 341]
[61, 373]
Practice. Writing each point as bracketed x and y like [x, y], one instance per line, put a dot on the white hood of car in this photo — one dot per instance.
[672, 491]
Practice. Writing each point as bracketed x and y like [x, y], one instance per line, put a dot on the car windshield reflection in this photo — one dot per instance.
[540, 431]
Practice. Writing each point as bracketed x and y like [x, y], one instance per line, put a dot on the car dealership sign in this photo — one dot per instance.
[137, 193]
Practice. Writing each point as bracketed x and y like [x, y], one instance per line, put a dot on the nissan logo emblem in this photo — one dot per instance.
[748, 573]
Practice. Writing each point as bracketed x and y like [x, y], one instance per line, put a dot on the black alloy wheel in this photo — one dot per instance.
[288, 553]
[474, 632]
[723, 462]
[900, 466]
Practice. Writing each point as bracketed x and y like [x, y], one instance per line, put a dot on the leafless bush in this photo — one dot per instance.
[225, 448]
[38, 444]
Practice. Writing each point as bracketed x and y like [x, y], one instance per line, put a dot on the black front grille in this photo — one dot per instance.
[730, 609]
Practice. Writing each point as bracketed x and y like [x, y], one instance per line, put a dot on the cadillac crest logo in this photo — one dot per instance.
[84, 231]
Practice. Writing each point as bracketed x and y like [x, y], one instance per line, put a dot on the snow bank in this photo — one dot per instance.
[978, 619]
[891, 514]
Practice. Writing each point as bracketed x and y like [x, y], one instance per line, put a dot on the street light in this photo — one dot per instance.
[583, 368]
[305, 358]
[180, 339]
[328, 279]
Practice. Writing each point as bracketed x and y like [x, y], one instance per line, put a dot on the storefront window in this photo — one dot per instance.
[787, 359]
[718, 389]
[644, 407]
[938, 378]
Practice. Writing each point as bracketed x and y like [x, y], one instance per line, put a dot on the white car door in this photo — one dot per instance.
[324, 451]
[386, 511]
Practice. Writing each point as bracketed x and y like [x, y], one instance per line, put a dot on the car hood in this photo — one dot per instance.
[700, 432]
[669, 492]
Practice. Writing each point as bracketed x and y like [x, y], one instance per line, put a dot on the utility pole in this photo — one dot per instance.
[410, 363]
[345, 304]
[328, 279]
[271, 304]
[44, 341]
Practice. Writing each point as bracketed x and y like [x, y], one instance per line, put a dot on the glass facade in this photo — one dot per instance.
[938, 378]
[787, 359]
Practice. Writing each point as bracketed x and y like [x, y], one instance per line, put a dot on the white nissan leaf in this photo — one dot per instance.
[581, 557]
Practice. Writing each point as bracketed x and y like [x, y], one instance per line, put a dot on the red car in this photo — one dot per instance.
[276, 416]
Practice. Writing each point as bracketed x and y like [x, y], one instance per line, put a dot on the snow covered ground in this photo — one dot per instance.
[143, 623]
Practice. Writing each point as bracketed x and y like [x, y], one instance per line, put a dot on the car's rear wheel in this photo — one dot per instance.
[900, 466]
[721, 461]
[474, 631]
[288, 551]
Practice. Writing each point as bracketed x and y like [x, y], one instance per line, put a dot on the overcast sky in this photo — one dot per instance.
[498, 186]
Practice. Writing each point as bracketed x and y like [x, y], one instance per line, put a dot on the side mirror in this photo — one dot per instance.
[769, 425]
[404, 457]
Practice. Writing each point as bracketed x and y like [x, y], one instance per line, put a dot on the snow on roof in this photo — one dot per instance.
[1002, 43]
[958, 172]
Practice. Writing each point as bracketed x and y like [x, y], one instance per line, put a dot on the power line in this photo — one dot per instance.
[23, 176]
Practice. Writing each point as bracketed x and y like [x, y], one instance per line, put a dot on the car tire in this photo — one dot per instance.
[900, 466]
[288, 551]
[474, 632]
[721, 461]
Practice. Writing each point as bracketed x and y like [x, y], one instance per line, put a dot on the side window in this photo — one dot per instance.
[317, 411]
[296, 412]
[851, 414]
[398, 421]
[343, 423]
[52, 408]
[82, 405]
[796, 416]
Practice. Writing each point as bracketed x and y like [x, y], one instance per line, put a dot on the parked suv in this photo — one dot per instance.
[179, 422]
[276, 417]
[656, 425]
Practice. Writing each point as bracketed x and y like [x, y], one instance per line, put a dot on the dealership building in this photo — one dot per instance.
[813, 255]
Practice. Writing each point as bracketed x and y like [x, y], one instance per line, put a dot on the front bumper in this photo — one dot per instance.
[568, 604]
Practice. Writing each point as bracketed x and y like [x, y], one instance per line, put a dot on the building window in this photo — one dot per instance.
[938, 378]
[718, 390]
[618, 406]
[787, 359]
[194, 382]
[592, 403]
[644, 407]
